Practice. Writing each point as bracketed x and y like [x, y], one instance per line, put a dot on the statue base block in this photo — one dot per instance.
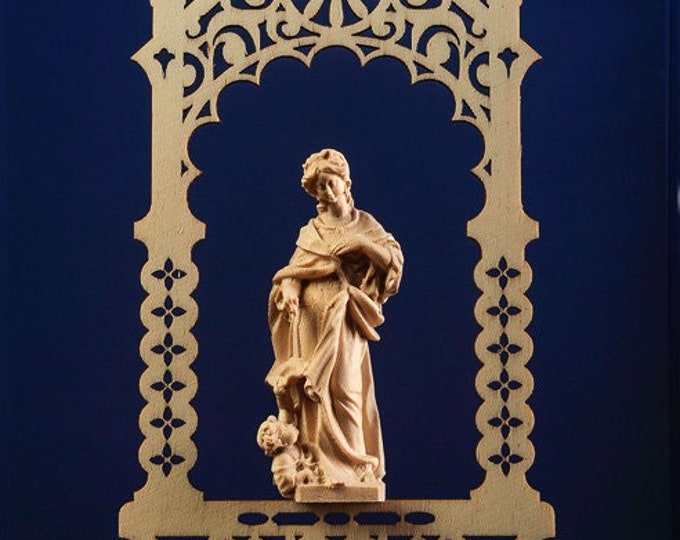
[373, 492]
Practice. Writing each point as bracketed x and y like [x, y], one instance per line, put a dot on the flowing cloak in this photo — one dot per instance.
[322, 368]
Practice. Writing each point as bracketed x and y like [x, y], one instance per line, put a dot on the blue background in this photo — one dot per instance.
[77, 164]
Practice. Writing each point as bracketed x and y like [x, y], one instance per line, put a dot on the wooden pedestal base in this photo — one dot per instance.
[512, 513]
[374, 492]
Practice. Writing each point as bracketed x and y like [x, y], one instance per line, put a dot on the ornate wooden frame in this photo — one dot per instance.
[198, 48]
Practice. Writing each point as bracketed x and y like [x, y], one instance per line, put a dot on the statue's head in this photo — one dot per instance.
[328, 161]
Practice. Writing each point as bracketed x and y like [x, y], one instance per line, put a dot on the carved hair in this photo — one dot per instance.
[327, 160]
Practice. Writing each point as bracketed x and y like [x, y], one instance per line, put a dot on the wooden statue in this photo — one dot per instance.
[324, 306]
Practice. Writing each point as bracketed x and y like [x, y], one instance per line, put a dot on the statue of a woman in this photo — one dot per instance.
[323, 309]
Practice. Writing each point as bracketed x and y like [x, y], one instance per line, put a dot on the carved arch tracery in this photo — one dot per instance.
[472, 47]
[438, 40]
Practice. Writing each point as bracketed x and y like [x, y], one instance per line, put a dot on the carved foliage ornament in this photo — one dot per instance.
[472, 47]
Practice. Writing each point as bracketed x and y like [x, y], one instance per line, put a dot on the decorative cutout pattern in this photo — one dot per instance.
[168, 311]
[248, 520]
[295, 518]
[505, 459]
[508, 56]
[473, 48]
[168, 386]
[166, 459]
[505, 422]
[337, 518]
[504, 385]
[503, 272]
[169, 274]
[504, 349]
[503, 311]
[167, 423]
[227, 42]
[168, 349]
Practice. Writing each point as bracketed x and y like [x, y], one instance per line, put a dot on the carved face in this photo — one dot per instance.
[330, 188]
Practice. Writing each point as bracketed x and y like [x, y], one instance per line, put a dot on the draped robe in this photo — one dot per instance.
[322, 369]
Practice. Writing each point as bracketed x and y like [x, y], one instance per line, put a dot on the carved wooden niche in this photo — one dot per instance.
[198, 48]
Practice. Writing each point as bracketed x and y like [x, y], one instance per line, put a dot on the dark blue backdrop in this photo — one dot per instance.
[77, 113]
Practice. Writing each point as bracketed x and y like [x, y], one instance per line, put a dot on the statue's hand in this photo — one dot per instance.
[291, 306]
[362, 245]
[290, 298]
[357, 243]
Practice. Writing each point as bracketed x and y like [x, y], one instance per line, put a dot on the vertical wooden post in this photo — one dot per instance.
[503, 275]
[169, 231]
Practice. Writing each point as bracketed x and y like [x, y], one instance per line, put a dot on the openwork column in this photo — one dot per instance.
[169, 312]
[503, 275]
